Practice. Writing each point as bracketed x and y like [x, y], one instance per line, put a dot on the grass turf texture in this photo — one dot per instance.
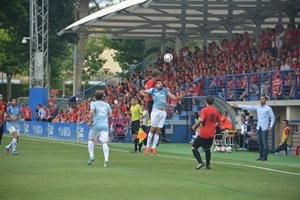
[51, 169]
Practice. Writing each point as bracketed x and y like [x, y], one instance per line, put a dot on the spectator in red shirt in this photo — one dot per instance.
[27, 112]
[295, 64]
[289, 37]
[82, 117]
[245, 43]
[66, 116]
[74, 116]
[58, 117]
[277, 87]
[52, 111]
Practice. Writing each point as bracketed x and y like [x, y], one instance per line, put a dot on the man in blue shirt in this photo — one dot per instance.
[158, 115]
[266, 120]
[98, 122]
[13, 126]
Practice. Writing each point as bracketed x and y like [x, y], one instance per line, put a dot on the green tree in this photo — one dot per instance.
[83, 11]
[128, 52]
[92, 61]
[153, 47]
[13, 16]
[61, 14]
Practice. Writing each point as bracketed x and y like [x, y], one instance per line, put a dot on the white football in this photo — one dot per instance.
[168, 57]
[229, 149]
[223, 149]
[217, 149]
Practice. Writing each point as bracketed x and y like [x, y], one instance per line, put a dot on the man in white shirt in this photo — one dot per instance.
[265, 123]
[42, 114]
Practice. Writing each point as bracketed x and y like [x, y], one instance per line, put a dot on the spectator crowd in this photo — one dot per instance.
[276, 52]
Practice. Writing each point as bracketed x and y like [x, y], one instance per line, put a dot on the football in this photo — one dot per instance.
[168, 57]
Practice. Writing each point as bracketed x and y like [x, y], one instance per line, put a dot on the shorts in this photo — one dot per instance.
[12, 129]
[205, 143]
[135, 126]
[158, 118]
[94, 133]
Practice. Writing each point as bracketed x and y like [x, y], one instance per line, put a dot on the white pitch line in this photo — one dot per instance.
[236, 164]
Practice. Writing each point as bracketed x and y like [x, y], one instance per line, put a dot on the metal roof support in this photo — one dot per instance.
[39, 44]
[257, 30]
[204, 37]
[163, 46]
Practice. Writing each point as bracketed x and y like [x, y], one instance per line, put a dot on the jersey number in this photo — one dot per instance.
[102, 111]
[212, 118]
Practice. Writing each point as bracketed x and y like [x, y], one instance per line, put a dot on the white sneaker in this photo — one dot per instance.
[200, 165]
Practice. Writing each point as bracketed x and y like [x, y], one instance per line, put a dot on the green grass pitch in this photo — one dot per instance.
[52, 169]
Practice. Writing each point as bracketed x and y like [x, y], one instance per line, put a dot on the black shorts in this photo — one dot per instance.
[135, 126]
[205, 143]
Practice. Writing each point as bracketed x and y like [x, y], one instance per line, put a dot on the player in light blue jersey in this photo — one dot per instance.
[98, 122]
[158, 115]
[13, 126]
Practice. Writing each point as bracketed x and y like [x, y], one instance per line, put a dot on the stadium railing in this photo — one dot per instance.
[277, 85]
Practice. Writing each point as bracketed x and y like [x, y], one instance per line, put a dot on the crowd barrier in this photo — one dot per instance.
[61, 131]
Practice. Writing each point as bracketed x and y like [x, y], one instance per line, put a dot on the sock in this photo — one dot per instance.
[197, 155]
[136, 141]
[150, 135]
[163, 132]
[207, 156]
[14, 144]
[155, 141]
[1, 137]
[105, 152]
[10, 144]
[91, 148]
[140, 146]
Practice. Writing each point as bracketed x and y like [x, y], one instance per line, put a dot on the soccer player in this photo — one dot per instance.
[98, 123]
[209, 118]
[136, 119]
[158, 115]
[3, 109]
[156, 74]
[13, 126]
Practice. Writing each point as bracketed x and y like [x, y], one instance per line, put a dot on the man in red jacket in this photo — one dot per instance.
[27, 113]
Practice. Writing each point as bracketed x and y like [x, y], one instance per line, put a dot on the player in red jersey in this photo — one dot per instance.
[3, 109]
[209, 118]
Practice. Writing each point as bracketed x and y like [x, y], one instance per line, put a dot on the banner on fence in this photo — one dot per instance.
[62, 131]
